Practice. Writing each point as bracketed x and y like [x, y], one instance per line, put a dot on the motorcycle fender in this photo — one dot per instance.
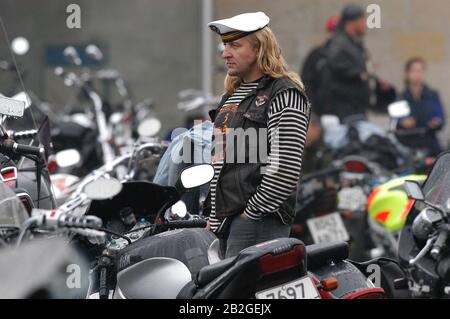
[154, 278]
[351, 281]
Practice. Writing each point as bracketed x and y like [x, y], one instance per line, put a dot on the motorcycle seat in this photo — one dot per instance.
[208, 273]
[321, 254]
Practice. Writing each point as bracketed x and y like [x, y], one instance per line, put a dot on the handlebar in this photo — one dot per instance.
[440, 243]
[321, 173]
[193, 223]
[9, 146]
[413, 131]
[22, 134]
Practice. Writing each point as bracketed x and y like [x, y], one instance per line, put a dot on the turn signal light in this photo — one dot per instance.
[329, 284]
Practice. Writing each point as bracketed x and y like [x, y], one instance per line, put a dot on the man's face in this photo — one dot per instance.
[361, 26]
[240, 57]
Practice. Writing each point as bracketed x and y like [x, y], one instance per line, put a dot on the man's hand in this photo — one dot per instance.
[243, 216]
[409, 122]
[364, 76]
[384, 85]
[434, 123]
[208, 226]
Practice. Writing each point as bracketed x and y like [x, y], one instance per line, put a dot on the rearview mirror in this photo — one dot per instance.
[195, 176]
[399, 109]
[414, 191]
[149, 127]
[103, 188]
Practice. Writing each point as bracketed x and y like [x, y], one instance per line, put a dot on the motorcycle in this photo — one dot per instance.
[424, 251]
[331, 205]
[133, 213]
[139, 163]
[114, 130]
[279, 269]
[24, 166]
[20, 275]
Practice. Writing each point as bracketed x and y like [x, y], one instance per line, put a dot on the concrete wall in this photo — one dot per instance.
[155, 44]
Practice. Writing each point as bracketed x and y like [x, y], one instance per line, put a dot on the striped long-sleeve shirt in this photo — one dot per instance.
[288, 119]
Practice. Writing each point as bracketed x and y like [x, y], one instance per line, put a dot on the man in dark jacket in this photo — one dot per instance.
[345, 90]
[311, 72]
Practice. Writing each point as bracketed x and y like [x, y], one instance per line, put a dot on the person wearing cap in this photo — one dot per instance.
[252, 194]
[345, 91]
[311, 73]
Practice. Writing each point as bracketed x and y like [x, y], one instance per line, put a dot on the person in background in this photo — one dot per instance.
[345, 90]
[316, 156]
[426, 107]
[311, 73]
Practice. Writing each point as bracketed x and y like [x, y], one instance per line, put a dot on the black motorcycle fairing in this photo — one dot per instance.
[68, 134]
[27, 180]
[145, 198]
[437, 190]
[390, 272]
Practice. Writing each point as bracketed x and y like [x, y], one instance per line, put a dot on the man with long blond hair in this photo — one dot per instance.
[259, 134]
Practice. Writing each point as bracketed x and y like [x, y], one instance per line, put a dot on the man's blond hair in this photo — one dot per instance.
[270, 61]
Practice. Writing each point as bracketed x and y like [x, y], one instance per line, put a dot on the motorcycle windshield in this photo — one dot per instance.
[437, 187]
[437, 191]
[12, 211]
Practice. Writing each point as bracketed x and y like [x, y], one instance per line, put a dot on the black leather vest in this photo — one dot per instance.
[238, 180]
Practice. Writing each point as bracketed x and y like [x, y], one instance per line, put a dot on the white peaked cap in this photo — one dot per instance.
[242, 24]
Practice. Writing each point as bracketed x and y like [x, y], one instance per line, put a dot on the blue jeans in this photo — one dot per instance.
[244, 233]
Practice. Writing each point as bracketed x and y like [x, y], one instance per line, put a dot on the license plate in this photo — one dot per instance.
[303, 288]
[351, 198]
[328, 229]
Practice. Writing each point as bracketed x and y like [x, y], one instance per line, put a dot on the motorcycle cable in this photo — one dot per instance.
[115, 234]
